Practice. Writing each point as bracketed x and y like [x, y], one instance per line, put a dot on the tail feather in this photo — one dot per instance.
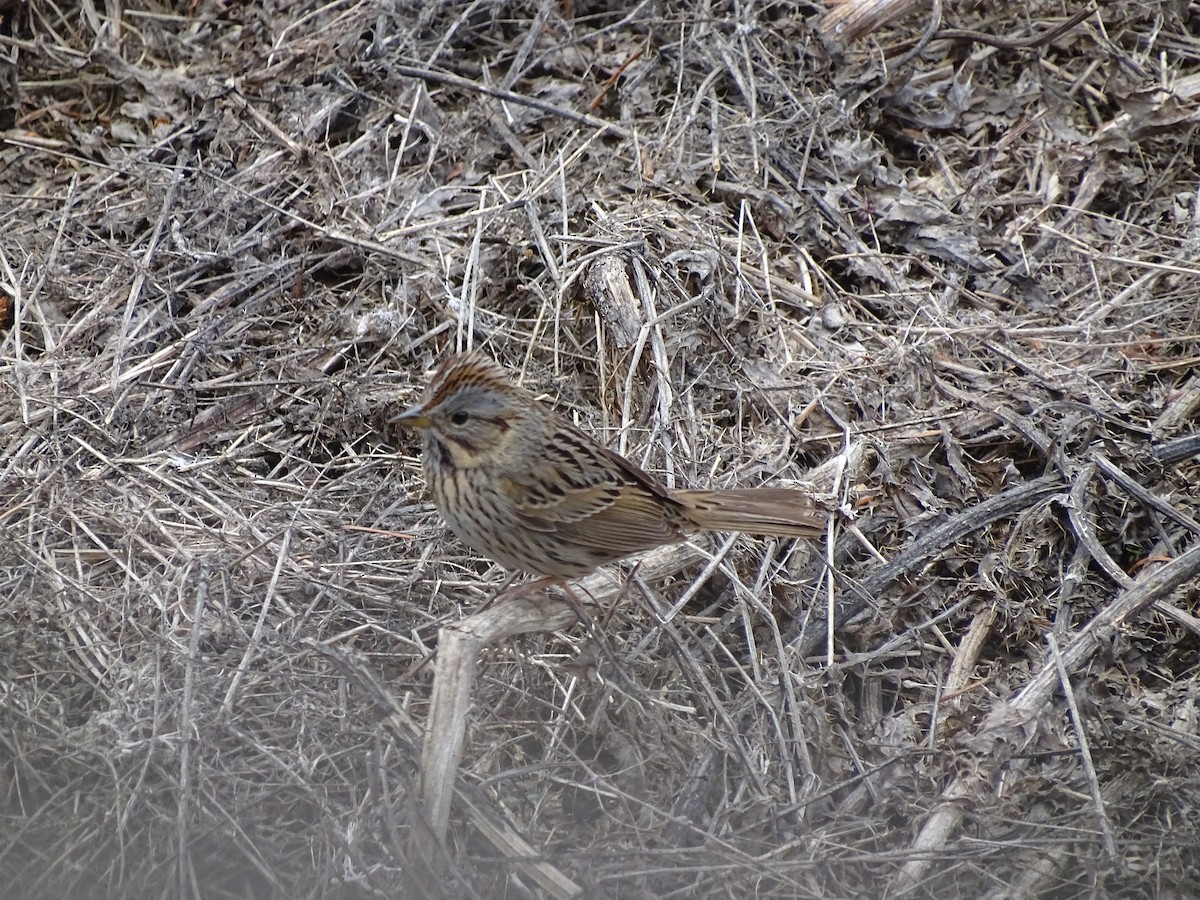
[782, 512]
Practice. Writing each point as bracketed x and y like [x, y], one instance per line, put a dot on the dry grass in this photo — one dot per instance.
[233, 236]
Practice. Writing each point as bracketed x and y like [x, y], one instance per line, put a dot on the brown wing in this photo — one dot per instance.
[585, 494]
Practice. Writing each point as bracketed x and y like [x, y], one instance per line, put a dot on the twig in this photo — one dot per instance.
[1012, 725]
[429, 75]
[1085, 754]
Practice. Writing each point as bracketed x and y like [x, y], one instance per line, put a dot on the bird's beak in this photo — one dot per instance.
[413, 417]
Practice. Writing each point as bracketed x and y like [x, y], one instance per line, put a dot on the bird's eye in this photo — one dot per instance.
[459, 418]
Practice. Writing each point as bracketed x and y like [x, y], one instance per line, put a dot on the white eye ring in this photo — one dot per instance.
[459, 418]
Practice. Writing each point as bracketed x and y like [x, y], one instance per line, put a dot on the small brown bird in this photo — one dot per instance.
[519, 484]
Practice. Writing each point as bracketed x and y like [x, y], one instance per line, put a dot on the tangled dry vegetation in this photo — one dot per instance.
[957, 270]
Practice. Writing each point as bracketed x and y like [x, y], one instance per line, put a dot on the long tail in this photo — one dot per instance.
[777, 511]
